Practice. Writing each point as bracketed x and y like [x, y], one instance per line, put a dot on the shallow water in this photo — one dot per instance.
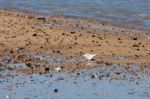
[73, 86]
[133, 12]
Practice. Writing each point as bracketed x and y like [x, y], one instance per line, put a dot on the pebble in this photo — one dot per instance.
[56, 90]
[135, 38]
[135, 45]
[107, 63]
[93, 76]
[47, 69]
[78, 74]
[28, 64]
[72, 32]
[34, 34]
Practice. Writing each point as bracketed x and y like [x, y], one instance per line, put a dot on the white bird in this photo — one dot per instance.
[89, 56]
[57, 69]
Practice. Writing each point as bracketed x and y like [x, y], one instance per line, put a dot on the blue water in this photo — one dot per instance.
[134, 12]
[72, 87]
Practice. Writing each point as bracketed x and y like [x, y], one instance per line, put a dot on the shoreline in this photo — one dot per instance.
[68, 39]
[119, 25]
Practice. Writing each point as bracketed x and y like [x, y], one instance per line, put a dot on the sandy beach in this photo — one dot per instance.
[25, 34]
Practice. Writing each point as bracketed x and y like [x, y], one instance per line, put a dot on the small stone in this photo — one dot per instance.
[11, 51]
[56, 90]
[148, 53]
[34, 34]
[117, 73]
[51, 75]
[92, 59]
[75, 43]
[61, 78]
[107, 75]
[119, 38]
[78, 74]
[107, 63]
[135, 45]
[137, 56]
[58, 51]
[40, 73]
[46, 69]
[135, 38]
[93, 36]
[63, 33]
[101, 77]
[28, 64]
[72, 32]
[93, 76]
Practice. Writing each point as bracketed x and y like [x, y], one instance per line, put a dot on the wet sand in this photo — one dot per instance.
[41, 46]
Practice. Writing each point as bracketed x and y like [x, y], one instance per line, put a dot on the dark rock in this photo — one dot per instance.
[93, 59]
[119, 38]
[28, 64]
[11, 51]
[78, 74]
[56, 90]
[61, 78]
[63, 33]
[107, 63]
[135, 38]
[137, 56]
[93, 36]
[40, 73]
[135, 45]
[58, 51]
[34, 34]
[101, 77]
[72, 32]
[107, 75]
[117, 73]
[137, 49]
[76, 43]
[51, 75]
[93, 76]
[47, 69]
